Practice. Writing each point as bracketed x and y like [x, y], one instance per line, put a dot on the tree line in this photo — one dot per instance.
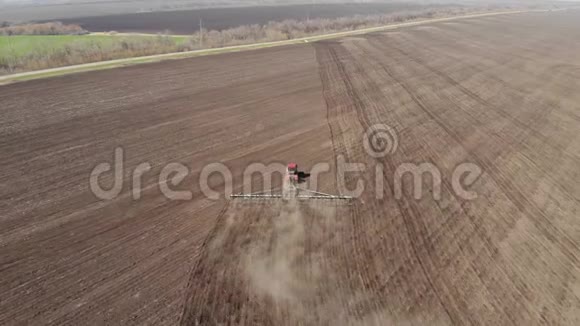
[52, 28]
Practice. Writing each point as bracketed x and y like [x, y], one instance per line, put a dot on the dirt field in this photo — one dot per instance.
[499, 92]
[60, 9]
[187, 21]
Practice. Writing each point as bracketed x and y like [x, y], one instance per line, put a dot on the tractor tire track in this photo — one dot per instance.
[518, 199]
[410, 212]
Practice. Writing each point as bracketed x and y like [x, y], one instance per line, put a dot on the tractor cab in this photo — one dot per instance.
[293, 174]
[292, 168]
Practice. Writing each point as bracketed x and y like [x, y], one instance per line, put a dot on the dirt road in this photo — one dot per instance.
[497, 92]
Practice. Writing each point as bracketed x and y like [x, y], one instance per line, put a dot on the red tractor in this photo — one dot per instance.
[290, 188]
[292, 173]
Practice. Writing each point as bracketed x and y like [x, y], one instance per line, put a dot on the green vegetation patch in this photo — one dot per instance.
[33, 52]
[21, 45]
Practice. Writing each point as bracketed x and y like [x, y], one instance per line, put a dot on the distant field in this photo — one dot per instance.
[25, 52]
[26, 44]
[187, 21]
[50, 10]
[60, 9]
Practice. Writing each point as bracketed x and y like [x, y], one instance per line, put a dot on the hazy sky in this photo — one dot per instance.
[200, 2]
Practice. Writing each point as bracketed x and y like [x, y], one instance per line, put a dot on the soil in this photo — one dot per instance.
[497, 92]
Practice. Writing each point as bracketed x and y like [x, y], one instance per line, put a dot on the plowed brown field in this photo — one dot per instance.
[187, 21]
[499, 92]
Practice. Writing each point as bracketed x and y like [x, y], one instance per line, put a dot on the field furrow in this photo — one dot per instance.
[468, 216]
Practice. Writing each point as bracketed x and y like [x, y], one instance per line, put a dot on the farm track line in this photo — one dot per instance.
[355, 101]
[518, 199]
[508, 189]
[415, 212]
[412, 213]
[529, 128]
